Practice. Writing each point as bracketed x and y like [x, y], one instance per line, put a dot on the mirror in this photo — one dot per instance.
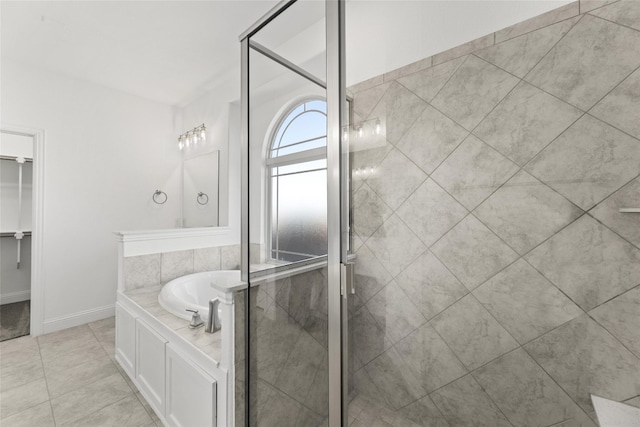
[200, 190]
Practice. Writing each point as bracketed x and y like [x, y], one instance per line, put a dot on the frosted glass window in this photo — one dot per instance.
[298, 199]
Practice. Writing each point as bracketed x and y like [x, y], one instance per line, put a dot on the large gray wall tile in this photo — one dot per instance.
[621, 107]
[422, 413]
[430, 212]
[430, 285]
[230, 257]
[588, 262]
[621, 317]
[588, 62]
[589, 5]
[431, 139]
[472, 333]
[625, 224]
[301, 367]
[394, 312]
[207, 259]
[520, 54]
[525, 122]
[540, 21]
[472, 252]
[585, 359]
[473, 91]
[370, 275]
[396, 178]
[395, 245]
[370, 341]
[275, 338]
[525, 393]
[524, 212]
[274, 408]
[394, 379]
[473, 171]
[626, 12]
[524, 302]
[369, 211]
[428, 82]
[464, 403]
[141, 271]
[175, 264]
[366, 100]
[397, 110]
[589, 161]
[429, 358]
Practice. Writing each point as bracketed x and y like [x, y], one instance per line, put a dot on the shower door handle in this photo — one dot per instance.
[348, 285]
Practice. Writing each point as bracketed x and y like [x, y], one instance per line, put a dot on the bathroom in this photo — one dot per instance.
[453, 241]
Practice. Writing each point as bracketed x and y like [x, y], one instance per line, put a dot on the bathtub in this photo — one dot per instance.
[194, 291]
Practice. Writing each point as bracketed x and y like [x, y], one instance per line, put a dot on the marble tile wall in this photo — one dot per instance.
[155, 269]
[288, 356]
[497, 282]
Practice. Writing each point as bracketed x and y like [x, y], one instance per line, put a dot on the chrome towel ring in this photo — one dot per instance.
[160, 197]
[202, 198]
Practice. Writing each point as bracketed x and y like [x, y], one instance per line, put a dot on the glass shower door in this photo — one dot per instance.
[287, 366]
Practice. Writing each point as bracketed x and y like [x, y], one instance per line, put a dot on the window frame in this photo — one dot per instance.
[271, 162]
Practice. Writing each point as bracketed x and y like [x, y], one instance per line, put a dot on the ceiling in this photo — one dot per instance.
[160, 50]
[169, 51]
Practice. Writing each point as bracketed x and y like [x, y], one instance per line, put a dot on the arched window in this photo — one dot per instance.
[297, 183]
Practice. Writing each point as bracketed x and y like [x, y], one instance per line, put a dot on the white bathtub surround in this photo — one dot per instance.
[158, 350]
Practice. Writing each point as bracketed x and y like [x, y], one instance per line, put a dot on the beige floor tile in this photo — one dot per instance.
[36, 416]
[89, 399]
[23, 397]
[20, 374]
[64, 381]
[126, 412]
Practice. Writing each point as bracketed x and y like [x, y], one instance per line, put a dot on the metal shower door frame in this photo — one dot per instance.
[337, 200]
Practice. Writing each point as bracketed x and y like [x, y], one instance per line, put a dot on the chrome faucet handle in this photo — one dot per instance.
[196, 321]
[213, 320]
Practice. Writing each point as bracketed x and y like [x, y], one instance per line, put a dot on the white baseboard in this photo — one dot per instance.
[80, 318]
[15, 297]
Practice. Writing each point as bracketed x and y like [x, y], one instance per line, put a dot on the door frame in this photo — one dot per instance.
[37, 224]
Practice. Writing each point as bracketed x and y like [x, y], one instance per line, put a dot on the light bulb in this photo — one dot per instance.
[188, 140]
[194, 138]
[203, 135]
[378, 127]
[180, 144]
[359, 131]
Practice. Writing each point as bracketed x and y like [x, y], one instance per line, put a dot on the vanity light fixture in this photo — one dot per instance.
[192, 136]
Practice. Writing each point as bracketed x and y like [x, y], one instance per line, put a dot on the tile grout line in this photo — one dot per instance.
[609, 20]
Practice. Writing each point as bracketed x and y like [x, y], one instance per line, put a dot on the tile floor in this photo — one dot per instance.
[69, 378]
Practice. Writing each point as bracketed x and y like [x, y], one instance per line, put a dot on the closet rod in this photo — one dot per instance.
[12, 233]
[13, 158]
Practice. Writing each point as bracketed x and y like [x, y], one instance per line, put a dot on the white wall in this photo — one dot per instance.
[105, 154]
[217, 108]
[382, 35]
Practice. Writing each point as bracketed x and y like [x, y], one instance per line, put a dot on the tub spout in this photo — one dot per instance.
[213, 320]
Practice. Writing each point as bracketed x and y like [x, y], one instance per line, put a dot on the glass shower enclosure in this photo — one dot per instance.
[440, 234]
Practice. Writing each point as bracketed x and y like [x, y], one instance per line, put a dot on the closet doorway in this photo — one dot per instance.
[20, 235]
